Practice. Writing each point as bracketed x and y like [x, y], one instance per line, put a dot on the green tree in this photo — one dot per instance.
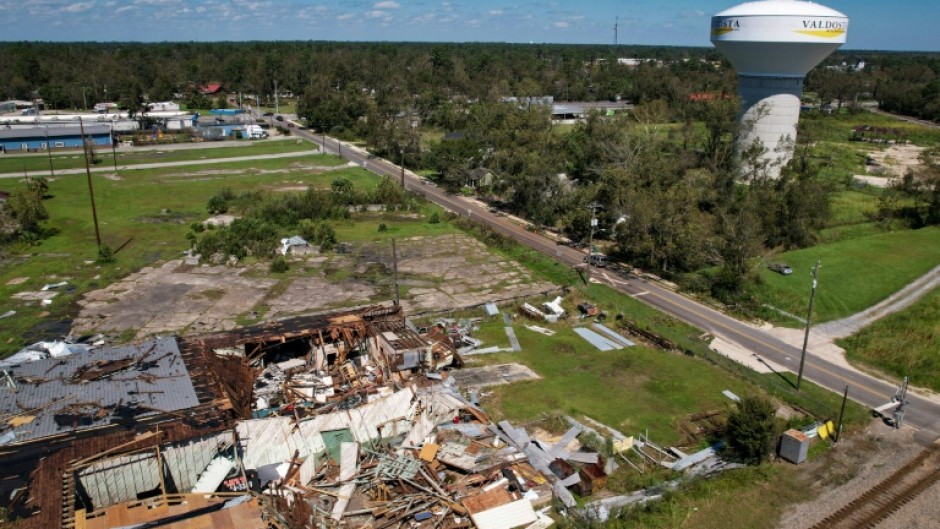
[28, 211]
[751, 428]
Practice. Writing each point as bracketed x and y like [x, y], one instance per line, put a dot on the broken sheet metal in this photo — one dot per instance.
[113, 385]
[274, 439]
[506, 516]
[612, 335]
[601, 342]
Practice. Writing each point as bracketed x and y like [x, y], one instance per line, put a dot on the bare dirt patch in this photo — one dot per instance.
[888, 164]
[436, 273]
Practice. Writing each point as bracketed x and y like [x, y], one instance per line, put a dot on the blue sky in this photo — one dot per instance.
[896, 25]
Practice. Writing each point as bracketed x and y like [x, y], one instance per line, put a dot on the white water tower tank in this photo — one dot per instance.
[773, 44]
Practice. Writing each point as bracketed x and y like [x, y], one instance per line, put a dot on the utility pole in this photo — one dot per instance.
[91, 191]
[49, 152]
[616, 27]
[113, 149]
[277, 105]
[845, 397]
[809, 317]
[593, 206]
[395, 270]
[402, 150]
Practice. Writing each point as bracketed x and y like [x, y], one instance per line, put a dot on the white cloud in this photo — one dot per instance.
[693, 14]
[387, 4]
[495, 13]
[561, 24]
[77, 7]
[376, 14]
[345, 16]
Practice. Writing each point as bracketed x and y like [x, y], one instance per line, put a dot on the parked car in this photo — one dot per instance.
[596, 259]
[279, 117]
[780, 268]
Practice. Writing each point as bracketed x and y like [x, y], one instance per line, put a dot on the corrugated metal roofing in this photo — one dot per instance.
[612, 334]
[155, 381]
[602, 343]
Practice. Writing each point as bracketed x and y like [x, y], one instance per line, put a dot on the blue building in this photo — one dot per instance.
[41, 138]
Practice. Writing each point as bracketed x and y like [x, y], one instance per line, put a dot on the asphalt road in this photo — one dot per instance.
[921, 413]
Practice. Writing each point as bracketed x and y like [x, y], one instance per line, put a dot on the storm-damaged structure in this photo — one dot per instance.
[346, 419]
[133, 432]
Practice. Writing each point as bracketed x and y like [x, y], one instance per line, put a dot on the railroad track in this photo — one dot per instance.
[887, 497]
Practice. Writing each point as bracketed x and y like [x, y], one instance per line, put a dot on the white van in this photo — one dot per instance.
[596, 259]
[255, 132]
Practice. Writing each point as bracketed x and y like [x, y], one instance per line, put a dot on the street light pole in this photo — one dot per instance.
[809, 316]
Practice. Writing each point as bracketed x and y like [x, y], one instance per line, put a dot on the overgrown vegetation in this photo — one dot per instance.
[903, 344]
[263, 218]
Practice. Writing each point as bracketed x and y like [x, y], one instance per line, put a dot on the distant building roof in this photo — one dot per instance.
[211, 88]
[114, 385]
[53, 132]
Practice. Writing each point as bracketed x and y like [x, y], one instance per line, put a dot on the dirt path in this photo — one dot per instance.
[899, 300]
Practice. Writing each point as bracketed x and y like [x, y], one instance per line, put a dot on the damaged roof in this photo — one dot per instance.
[112, 385]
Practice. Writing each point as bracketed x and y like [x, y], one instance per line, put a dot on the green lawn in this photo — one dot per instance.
[148, 212]
[855, 274]
[75, 160]
[906, 343]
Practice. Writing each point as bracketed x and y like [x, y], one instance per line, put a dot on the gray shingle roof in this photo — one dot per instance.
[78, 392]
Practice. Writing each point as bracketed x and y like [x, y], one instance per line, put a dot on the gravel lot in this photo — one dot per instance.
[858, 464]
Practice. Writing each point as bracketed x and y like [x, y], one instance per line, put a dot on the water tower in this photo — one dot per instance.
[773, 44]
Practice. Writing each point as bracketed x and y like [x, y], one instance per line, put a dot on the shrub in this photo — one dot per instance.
[435, 218]
[383, 227]
[279, 265]
[217, 205]
[750, 429]
[105, 254]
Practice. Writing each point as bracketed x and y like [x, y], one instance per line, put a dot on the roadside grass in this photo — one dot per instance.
[906, 343]
[144, 216]
[285, 107]
[856, 273]
[74, 159]
[634, 386]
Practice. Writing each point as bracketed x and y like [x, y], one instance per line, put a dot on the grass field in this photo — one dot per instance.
[838, 127]
[74, 159]
[856, 273]
[632, 389]
[906, 343]
[147, 214]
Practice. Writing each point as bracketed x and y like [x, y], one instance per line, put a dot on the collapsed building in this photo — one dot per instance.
[346, 419]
